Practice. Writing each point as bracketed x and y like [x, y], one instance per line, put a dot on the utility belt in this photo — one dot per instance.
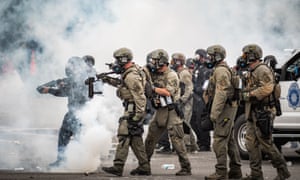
[262, 106]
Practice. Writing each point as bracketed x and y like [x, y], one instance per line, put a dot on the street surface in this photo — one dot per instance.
[202, 164]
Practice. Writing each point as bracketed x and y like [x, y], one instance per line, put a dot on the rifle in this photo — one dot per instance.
[53, 84]
[105, 78]
[113, 81]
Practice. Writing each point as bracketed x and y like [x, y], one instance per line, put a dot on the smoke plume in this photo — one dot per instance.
[37, 38]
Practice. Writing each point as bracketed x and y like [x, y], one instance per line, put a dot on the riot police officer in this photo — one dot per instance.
[74, 88]
[167, 116]
[200, 74]
[130, 131]
[222, 114]
[271, 61]
[186, 98]
[260, 114]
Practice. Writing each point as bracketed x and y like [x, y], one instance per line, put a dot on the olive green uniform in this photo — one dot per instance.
[223, 112]
[186, 98]
[134, 101]
[261, 84]
[168, 119]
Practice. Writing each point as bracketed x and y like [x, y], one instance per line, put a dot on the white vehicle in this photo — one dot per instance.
[286, 126]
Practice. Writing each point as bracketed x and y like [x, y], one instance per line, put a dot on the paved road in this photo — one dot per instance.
[202, 164]
[14, 144]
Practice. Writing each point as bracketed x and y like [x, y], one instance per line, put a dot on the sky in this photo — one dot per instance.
[57, 30]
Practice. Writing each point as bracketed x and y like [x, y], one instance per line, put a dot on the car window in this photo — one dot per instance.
[291, 70]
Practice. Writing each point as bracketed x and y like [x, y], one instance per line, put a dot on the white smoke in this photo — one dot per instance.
[69, 28]
[83, 155]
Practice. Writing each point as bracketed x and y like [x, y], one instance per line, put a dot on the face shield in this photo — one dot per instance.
[150, 65]
[209, 62]
[241, 62]
[175, 64]
[249, 57]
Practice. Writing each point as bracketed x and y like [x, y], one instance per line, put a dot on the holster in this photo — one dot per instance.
[178, 109]
[263, 122]
[135, 128]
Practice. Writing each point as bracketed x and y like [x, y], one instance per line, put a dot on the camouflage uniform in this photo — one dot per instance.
[168, 119]
[130, 133]
[222, 114]
[261, 83]
[185, 77]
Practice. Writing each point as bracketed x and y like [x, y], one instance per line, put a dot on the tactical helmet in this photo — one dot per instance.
[123, 56]
[160, 57]
[75, 66]
[216, 52]
[178, 59]
[271, 61]
[89, 60]
[252, 52]
[149, 64]
[201, 53]
[190, 63]
[148, 58]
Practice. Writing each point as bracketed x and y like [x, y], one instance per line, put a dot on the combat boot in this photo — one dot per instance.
[140, 172]
[282, 173]
[60, 160]
[236, 174]
[216, 176]
[184, 172]
[113, 170]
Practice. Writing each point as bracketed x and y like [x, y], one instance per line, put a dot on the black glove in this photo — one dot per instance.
[40, 89]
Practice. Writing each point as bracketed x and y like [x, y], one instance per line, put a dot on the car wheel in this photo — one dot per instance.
[239, 135]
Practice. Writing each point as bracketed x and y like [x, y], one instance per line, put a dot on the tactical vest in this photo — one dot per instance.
[234, 80]
[161, 81]
[123, 91]
[273, 98]
[277, 88]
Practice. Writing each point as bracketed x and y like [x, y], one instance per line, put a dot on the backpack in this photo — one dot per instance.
[235, 82]
[274, 98]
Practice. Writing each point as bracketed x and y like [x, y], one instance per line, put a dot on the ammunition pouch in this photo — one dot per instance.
[129, 107]
[124, 93]
[123, 126]
[264, 122]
